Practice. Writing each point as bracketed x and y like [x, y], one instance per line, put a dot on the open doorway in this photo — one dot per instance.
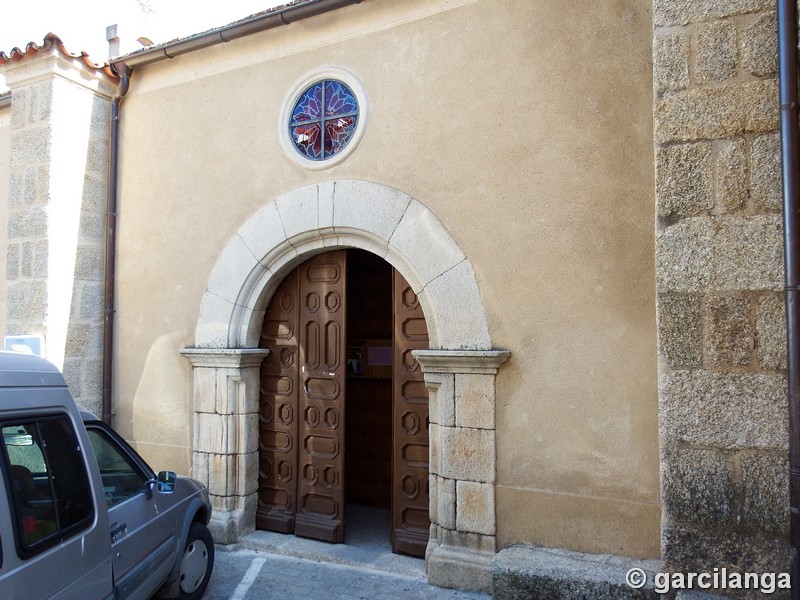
[344, 410]
[368, 404]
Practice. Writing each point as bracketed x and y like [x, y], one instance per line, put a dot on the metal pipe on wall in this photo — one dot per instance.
[790, 169]
[111, 235]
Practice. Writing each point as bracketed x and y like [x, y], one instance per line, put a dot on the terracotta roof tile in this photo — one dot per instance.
[51, 40]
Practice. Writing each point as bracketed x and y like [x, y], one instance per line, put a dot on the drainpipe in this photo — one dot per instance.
[111, 240]
[790, 167]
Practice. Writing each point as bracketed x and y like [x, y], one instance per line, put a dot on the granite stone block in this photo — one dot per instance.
[716, 51]
[684, 180]
[760, 46]
[771, 332]
[765, 481]
[729, 331]
[724, 253]
[712, 112]
[680, 330]
[522, 572]
[725, 410]
[670, 62]
[680, 12]
[731, 175]
[765, 172]
[704, 549]
[697, 486]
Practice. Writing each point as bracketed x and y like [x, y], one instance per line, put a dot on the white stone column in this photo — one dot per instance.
[60, 120]
[462, 465]
[225, 439]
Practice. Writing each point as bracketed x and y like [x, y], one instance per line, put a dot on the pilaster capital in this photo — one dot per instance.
[483, 362]
[225, 357]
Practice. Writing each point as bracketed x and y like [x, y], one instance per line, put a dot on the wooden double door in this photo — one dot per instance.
[340, 329]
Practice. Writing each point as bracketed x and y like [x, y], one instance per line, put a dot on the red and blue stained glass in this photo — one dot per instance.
[319, 133]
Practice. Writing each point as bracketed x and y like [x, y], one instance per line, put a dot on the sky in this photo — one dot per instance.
[81, 24]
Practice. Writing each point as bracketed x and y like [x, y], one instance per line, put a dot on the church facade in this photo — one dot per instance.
[510, 271]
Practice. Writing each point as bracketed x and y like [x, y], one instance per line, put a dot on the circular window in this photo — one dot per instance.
[324, 119]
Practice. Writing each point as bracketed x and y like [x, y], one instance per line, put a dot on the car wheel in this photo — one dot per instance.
[196, 563]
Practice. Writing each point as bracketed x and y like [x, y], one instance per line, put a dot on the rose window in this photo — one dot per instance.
[324, 119]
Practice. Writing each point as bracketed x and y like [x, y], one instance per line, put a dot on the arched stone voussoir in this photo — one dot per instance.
[420, 234]
[235, 267]
[452, 299]
[213, 322]
[370, 208]
[263, 233]
[299, 211]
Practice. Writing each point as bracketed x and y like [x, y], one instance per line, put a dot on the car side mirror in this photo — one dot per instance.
[166, 482]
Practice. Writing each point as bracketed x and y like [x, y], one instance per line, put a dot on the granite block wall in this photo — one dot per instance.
[720, 309]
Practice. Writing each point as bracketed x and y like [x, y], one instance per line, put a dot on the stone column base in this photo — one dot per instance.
[229, 525]
[460, 560]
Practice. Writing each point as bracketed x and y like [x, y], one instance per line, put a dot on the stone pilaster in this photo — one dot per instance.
[719, 277]
[462, 465]
[60, 118]
[225, 437]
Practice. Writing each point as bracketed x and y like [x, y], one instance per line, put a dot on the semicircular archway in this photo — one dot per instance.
[342, 214]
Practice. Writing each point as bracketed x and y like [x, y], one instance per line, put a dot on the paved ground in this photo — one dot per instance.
[272, 565]
[251, 575]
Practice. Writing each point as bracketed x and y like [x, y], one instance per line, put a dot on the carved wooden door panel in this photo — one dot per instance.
[320, 483]
[278, 417]
[410, 491]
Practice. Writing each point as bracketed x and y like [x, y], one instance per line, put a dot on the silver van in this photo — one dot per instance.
[82, 516]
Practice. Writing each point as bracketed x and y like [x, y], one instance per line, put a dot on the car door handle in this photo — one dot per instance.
[118, 529]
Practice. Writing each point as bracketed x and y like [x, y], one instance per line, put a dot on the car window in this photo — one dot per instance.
[49, 487]
[122, 479]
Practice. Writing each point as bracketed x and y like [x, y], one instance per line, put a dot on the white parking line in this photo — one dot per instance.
[248, 579]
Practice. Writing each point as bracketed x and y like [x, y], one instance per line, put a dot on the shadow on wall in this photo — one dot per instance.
[161, 417]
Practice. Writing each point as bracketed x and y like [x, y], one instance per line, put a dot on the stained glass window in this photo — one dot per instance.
[324, 119]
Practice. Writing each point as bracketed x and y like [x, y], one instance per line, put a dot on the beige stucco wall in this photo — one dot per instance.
[527, 129]
[5, 145]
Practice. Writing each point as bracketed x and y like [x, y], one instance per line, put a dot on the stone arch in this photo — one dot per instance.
[342, 214]
[460, 366]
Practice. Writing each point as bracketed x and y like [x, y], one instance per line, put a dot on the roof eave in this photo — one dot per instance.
[257, 23]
